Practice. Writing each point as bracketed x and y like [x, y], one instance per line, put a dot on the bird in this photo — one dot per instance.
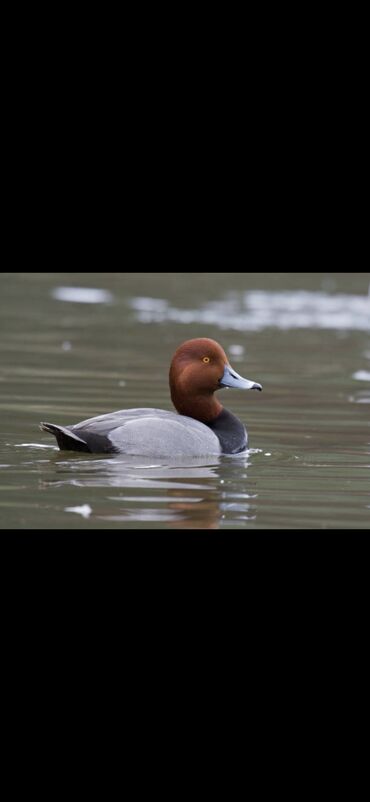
[201, 426]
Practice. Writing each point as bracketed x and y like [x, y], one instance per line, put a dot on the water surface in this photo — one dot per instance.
[74, 345]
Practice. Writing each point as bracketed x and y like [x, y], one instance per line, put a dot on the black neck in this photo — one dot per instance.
[230, 432]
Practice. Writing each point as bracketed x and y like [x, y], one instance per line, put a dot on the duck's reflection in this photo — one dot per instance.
[203, 493]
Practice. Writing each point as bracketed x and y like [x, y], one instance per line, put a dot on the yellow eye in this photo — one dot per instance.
[205, 359]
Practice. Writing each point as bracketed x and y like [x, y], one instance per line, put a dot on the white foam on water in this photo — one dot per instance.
[143, 304]
[82, 295]
[236, 350]
[85, 510]
[258, 309]
[362, 375]
[34, 445]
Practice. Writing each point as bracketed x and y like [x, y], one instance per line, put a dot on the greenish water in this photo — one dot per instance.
[67, 355]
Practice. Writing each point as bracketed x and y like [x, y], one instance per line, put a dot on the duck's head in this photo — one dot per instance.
[199, 368]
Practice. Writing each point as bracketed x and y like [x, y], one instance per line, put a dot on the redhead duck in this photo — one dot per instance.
[202, 427]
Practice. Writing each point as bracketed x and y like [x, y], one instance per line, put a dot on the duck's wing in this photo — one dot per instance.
[172, 436]
[142, 432]
[102, 424]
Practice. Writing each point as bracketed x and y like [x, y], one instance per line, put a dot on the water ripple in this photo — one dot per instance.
[258, 309]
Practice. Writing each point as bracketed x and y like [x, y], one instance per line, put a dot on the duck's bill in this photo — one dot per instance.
[232, 379]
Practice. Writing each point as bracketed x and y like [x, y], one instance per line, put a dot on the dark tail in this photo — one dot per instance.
[67, 441]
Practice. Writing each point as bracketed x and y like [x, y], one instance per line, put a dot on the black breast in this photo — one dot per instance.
[230, 432]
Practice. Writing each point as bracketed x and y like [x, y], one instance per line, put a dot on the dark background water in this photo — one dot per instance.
[66, 355]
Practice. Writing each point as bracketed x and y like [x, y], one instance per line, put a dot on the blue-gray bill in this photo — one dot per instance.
[231, 378]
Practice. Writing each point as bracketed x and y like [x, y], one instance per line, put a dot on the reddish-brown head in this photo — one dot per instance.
[199, 368]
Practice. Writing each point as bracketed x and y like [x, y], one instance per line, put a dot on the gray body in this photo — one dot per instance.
[144, 432]
[152, 433]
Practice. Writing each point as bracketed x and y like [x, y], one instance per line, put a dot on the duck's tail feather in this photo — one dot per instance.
[67, 441]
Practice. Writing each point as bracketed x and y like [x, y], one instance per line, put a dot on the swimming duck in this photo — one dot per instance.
[202, 427]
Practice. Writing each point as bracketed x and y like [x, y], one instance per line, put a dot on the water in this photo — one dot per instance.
[74, 345]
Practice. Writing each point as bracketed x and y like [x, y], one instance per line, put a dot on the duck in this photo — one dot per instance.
[201, 426]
